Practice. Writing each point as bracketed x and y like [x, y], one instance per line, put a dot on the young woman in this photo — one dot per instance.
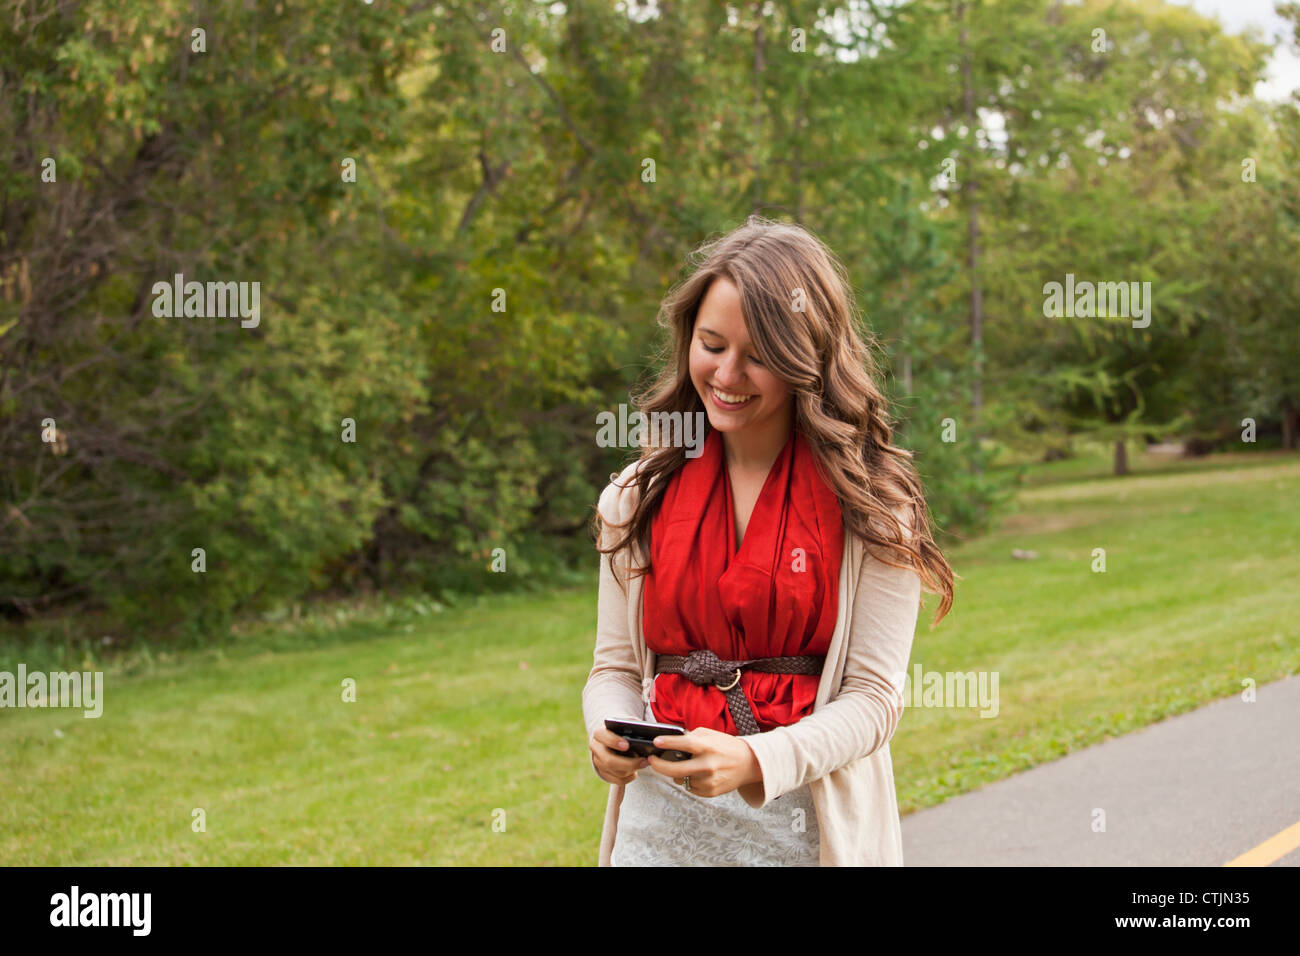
[774, 592]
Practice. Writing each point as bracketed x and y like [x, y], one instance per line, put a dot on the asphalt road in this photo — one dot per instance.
[1199, 789]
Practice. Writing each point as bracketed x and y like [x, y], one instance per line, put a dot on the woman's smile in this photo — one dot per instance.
[729, 400]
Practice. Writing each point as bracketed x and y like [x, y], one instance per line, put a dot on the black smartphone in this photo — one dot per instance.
[640, 736]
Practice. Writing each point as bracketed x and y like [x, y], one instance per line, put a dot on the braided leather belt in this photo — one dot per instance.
[705, 667]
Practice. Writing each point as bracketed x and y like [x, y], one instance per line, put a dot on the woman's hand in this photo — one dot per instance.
[610, 766]
[719, 763]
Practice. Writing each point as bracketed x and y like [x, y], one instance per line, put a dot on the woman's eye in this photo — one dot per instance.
[715, 351]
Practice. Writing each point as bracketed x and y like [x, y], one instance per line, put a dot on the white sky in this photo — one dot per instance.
[1236, 16]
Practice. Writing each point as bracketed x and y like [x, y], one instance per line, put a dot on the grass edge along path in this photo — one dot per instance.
[465, 744]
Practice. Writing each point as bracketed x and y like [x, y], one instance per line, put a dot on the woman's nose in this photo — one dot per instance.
[729, 373]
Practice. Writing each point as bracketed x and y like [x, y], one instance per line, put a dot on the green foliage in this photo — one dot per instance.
[184, 433]
[490, 280]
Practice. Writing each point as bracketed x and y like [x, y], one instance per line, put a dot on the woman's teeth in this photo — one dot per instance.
[729, 398]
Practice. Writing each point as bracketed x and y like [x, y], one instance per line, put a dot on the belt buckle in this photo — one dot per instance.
[732, 684]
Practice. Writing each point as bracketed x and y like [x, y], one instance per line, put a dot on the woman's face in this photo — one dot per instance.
[722, 359]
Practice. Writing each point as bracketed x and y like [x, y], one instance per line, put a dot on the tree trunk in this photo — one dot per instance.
[757, 204]
[796, 168]
[1121, 457]
[907, 332]
[967, 175]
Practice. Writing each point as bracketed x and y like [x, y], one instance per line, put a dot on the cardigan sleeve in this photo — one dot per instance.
[613, 686]
[865, 713]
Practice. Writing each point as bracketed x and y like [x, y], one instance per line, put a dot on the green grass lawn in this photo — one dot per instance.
[470, 715]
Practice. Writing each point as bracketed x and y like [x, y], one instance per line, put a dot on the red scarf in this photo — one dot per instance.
[760, 600]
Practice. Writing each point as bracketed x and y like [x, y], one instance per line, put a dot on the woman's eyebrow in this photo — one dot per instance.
[708, 331]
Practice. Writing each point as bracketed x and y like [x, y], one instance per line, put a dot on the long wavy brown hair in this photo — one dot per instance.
[824, 353]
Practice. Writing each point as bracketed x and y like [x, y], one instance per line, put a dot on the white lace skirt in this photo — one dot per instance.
[661, 823]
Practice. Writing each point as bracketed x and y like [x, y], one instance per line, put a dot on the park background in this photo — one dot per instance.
[462, 217]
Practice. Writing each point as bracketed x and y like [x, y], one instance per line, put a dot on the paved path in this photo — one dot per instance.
[1199, 789]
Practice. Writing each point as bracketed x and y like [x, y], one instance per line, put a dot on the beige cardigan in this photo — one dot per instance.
[841, 749]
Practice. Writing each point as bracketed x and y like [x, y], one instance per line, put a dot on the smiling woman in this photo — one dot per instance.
[777, 582]
[744, 400]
